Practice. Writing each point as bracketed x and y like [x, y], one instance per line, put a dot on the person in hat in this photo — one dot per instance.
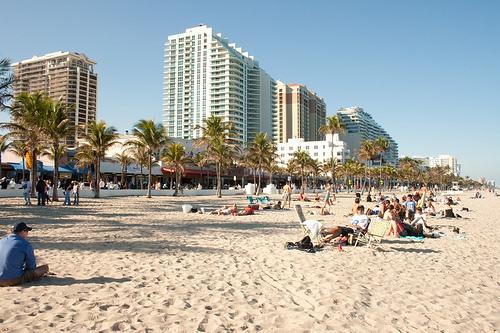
[17, 258]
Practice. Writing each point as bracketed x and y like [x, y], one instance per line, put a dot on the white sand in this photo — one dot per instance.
[124, 264]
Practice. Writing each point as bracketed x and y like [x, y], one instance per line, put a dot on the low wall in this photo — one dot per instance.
[87, 193]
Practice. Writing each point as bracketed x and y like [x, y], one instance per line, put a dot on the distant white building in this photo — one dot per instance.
[446, 160]
[441, 161]
[361, 126]
[318, 150]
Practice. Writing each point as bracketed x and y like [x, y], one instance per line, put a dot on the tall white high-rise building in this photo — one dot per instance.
[204, 74]
[361, 126]
[446, 161]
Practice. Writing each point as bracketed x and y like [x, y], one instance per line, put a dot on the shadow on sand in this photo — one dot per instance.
[65, 281]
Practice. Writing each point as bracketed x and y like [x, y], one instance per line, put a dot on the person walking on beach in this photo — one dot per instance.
[76, 193]
[17, 258]
[287, 195]
[67, 186]
[40, 191]
[26, 186]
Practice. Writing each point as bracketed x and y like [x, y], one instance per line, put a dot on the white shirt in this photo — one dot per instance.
[360, 221]
[27, 188]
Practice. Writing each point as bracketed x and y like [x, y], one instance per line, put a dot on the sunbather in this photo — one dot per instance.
[226, 210]
[359, 222]
[248, 210]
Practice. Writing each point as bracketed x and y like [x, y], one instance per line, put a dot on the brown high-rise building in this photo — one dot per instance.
[299, 114]
[66, 75]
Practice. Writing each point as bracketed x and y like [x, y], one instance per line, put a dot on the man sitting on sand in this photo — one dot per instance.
[359, 222]
[17, 258]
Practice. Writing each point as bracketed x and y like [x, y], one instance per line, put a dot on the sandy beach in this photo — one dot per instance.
[138, 264]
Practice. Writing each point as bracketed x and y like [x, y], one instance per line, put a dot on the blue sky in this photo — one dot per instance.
[428, 71]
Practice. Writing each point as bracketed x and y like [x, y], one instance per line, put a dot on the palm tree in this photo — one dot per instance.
[175, 156]
[200, 160]
[218, 139]
[263, 150]
[19, 148]
[368, 150]
[273, 168]
[4, 145]
[408, 167]
[139, 156]
[334, 125]
[315, 170]
[27, 119]
[302, 160]
[152, 137]
[124, 159]
[6, 80]
[100, 138]
[57, 128]
[85, 158]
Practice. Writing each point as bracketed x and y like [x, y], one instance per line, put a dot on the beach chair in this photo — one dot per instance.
[251, 200]
[311, 228]
[374, 234]
[264, 199]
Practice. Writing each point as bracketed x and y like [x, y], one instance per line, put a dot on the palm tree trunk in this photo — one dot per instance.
[142, 179]
[334, 180]
[97, 171]
[176, 191]
[33, 174]
[219, 180]
[23, 168]
[260, 175]
[56, 173]
[149, 178]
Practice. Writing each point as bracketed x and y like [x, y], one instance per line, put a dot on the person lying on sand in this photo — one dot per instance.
[226, 210]
[248, 210]
[359, 222]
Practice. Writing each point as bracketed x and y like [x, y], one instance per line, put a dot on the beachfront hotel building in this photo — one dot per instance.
[320, 150]
[440, 161]
[361, 126]
[300, 113]
[66, 75]
[205, 74]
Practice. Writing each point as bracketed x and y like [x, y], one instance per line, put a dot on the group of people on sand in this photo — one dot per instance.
[247, 210]
[406, 217]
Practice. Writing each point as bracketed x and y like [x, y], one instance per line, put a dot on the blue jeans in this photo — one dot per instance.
[41, 198]
[27, 199]
[76, 199]
[67, 198]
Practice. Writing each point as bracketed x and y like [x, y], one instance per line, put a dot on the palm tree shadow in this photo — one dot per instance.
[66, 281]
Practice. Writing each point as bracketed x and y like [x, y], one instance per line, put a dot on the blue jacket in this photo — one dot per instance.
[16, 256]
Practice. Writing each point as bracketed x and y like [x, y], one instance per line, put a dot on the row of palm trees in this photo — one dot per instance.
[39, 125]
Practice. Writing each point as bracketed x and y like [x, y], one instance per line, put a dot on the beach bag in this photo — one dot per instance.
[186, 208]
[305, 243]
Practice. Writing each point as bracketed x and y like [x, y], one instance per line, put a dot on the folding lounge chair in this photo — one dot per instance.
[312, 228]
[251, 200]
[264, 199]
[375, 233]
